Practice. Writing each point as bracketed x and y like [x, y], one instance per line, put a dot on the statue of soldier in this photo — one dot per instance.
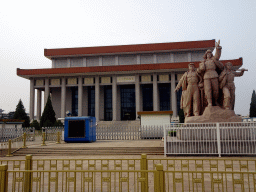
[227, 85]
[208, 70]
[190, 91]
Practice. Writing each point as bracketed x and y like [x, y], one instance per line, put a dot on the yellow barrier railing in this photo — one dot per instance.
[3, 178]
[24, 140]
[43, 139]
[8, 148]
[143, 163]
[82, 180]
[204, 164]
[126, 180]
[58, 138]
[205, 174]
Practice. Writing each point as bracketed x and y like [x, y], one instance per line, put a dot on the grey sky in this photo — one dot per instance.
[27, 27]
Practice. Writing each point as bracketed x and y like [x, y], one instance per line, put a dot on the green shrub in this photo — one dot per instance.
[35, 124]
[172, 133]
[58, 123]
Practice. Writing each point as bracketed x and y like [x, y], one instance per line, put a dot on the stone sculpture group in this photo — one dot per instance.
[208, 92]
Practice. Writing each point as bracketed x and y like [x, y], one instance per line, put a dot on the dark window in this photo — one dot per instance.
[164, 96]
[178, 96]
[147, 93]
[76, 128]
[91, 101]
[108, 103]
[128, 110]
[74, 101]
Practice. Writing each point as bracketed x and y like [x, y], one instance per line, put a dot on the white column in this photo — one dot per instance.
[116, 60]
[114, 98]
[137, 95]
[68, 63]
[173, 95]
[80, 96]
[32, 100]
[155, 93]
[63, 97]
[84, 62]
[138, 59]
[97, 98]
[100, 61]
[46, 91]
[85, 101]
[172, 57]
[39, 101]
[53, 63]
[154, 58]
[189, 57]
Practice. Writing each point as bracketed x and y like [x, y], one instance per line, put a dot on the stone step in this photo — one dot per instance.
[91, 151]
[118, 123]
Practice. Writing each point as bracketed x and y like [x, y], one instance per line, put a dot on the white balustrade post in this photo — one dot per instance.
[165, 140]
[218, 138]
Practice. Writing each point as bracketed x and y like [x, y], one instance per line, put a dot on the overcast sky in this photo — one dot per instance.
[27, 27]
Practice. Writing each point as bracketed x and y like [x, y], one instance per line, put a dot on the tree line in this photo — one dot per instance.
[48, 118]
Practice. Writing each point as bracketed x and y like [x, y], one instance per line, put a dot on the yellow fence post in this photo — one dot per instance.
[159, 180]
[24, 140]
[144, 166]
[28, 167]
[58, 138]
[43, 144]
[9, 148]
[3, 178]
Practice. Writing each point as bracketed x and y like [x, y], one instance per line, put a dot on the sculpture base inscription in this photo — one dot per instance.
[214, 114]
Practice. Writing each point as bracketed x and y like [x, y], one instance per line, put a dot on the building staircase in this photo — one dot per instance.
[55, 151]
[119, 123]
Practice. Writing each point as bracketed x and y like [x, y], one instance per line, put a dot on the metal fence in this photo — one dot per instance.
[169, 164]
[114, 132]
[167, 174]
[110, 132]
[119, 132]
[10, 133]
[30, 133]
[152, 132]
[127, 180]
[81, 180]
[51, 132]
[8, 148]
[210, 138]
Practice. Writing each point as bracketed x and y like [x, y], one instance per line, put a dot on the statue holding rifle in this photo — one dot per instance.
[208, 70]
[208, 93]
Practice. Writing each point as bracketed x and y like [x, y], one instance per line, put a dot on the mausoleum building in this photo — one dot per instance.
[114, 83]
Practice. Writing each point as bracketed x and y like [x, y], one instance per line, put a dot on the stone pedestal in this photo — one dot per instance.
[214, 114]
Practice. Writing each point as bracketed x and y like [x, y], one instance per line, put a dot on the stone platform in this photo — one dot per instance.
[214, 114]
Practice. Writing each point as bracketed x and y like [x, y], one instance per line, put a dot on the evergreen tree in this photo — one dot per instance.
[20, 113]
[253, 105]
[181, 116]
[48, 117]
[35, 124]
[58, 124]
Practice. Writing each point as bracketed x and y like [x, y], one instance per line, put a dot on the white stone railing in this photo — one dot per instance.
[210, 139]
